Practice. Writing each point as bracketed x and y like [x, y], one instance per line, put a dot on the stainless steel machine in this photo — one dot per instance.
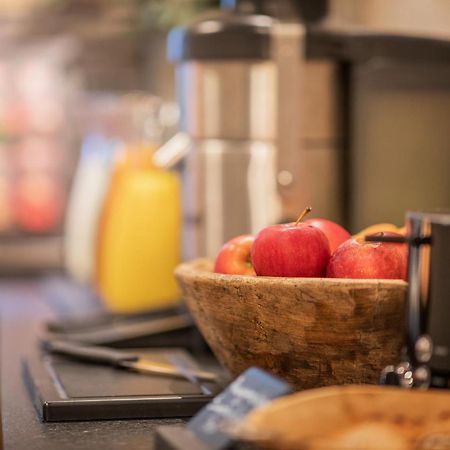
[262, 125]
[279, 111]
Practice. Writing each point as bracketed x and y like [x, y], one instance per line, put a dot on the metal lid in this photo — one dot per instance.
[225, 35]
[358, 45]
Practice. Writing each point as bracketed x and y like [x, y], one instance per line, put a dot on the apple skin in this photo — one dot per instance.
[357, 258]
[291, 250]
[334, 232]
[234, 257]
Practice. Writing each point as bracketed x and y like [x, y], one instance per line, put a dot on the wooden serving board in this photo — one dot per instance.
[353, 418]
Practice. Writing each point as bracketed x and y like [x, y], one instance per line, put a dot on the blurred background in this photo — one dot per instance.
[82, 80]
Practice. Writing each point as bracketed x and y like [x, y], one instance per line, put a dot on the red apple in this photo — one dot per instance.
[234, 256]
[334, 232]
[291, 250]
[357, 258]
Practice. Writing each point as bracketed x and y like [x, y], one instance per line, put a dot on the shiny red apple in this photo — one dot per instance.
[234, 257]
[291, 250]
[334, 232]
[357, 258]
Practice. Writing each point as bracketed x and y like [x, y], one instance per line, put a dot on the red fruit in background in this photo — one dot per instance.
[334, 232]
[357, 258]
[291, 250]
[234, 257]
[38, 203]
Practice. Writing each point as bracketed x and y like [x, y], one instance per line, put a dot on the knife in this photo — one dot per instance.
[124, 360]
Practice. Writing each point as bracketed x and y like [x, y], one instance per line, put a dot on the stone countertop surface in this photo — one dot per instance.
[25, 304]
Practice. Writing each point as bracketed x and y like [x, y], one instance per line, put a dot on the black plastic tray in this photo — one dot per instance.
[69, 390]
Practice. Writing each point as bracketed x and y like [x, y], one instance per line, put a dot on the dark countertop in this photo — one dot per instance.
[24, 306]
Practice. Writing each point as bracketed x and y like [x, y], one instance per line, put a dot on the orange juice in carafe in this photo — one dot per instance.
[139, 235]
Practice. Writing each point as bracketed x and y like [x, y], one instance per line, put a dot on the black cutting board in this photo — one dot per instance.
[63, 389]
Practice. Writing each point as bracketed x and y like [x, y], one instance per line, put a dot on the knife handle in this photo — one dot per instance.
[101, 355]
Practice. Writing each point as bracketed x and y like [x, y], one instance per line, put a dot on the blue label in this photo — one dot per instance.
[250, 390]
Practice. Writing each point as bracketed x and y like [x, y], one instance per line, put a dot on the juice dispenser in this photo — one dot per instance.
[138, 243]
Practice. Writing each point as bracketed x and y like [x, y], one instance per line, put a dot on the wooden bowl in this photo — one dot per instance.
[352, 418]
[310, 331]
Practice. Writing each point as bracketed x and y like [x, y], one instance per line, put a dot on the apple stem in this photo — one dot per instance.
[306, 211]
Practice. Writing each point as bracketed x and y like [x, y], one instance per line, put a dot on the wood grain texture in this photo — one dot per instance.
[311, 332]
[352, 418]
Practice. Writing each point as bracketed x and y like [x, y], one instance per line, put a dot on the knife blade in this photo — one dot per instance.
[186, 368]
[124, 360]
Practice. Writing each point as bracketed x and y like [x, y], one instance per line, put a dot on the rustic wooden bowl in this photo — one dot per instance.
[310, 331]
[352, 418]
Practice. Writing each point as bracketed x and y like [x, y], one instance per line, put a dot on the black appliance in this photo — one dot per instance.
[427, 352]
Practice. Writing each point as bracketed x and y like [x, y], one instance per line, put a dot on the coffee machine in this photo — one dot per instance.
[280, 110]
